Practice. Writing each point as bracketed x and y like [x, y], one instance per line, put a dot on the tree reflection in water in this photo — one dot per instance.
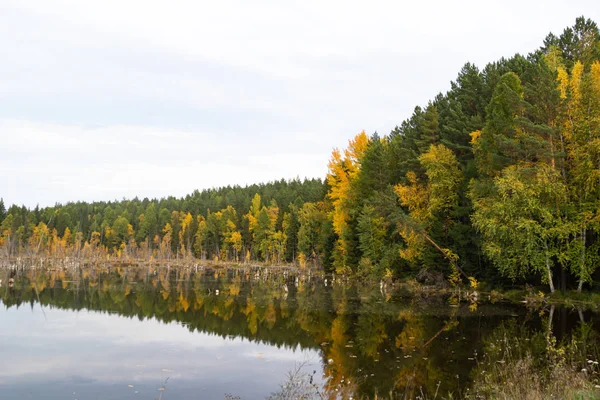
[370, 342]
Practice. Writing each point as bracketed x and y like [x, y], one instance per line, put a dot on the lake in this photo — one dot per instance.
[150, 332]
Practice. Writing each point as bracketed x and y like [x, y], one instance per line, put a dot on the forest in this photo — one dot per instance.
[496, 179]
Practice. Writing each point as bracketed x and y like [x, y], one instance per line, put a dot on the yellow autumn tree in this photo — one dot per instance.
[185, 236]
[236, 243]
[580, 127]
[39, 239]
[343, 171]
[165, 247]
[428, 201]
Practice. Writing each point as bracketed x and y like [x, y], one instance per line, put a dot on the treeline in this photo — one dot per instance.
[230, 223]
[498, 176]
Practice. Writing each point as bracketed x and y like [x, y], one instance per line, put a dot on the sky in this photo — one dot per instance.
[112, 99]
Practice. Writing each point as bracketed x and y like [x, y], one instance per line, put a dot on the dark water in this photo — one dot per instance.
[127, 333]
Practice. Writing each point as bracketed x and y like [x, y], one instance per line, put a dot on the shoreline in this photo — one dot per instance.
[528, 296]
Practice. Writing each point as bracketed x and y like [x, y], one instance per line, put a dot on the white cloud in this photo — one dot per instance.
[107, 163]
[65, 348]
[105, 99]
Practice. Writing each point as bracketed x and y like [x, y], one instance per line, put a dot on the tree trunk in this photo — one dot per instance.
[430, 240]
[549, 271]
[582, 267]
[548, 268]
[550, 318]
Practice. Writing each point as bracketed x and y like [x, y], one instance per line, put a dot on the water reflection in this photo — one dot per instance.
[239, 331]
[87, 356]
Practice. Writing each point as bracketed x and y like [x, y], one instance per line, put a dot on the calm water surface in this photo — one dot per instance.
[146, 333]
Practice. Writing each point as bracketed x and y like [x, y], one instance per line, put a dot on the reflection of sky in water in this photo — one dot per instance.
[91, 355]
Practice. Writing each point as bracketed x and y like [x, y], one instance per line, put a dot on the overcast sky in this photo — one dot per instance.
[108, 99]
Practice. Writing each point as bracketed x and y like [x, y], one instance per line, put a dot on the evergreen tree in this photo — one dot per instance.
[290, 227]
[2, 210]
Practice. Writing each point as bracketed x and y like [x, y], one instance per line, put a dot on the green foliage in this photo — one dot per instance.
[522, 222]
[498, 176]
[311, 220]
[372, 234]
[291, 225]
[2, 210]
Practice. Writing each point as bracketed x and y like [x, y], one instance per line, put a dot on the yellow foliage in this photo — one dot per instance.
[184, 303]
[454, 277]
[563, 82]
[414, 243]
[475, 135]
[236, 240]
[252, 215]
[388, 273]
[444, 176]
[541, 294]
[186, 221]
[342, 172]
[553, 58]
[273, 212]
[473, 283]
[575, 83]
[415, 196]
[595, 77]
[130, 231]
[168, 231]
[234, 289]
[424, 201]
[302, 260]
[67, 235]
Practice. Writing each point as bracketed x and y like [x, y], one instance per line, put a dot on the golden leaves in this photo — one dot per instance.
[414, 243]
[563, 82]
[475, 135]
[342, 172]
[575, 82]
[424, 201]
[415, 196]
[595, 77]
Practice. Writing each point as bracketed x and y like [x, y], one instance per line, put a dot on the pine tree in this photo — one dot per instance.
[428, 129]
[2, 210]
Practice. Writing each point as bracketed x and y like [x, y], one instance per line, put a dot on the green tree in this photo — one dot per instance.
[372, 232]
[2, 210]
[430, 203]
[200, 239]
[262, 234]
[290, 228]
[497, 145]
[522, 223]
[311, 219]
[374, 173]
[122, 231]
[148, 224]
[428, 128]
